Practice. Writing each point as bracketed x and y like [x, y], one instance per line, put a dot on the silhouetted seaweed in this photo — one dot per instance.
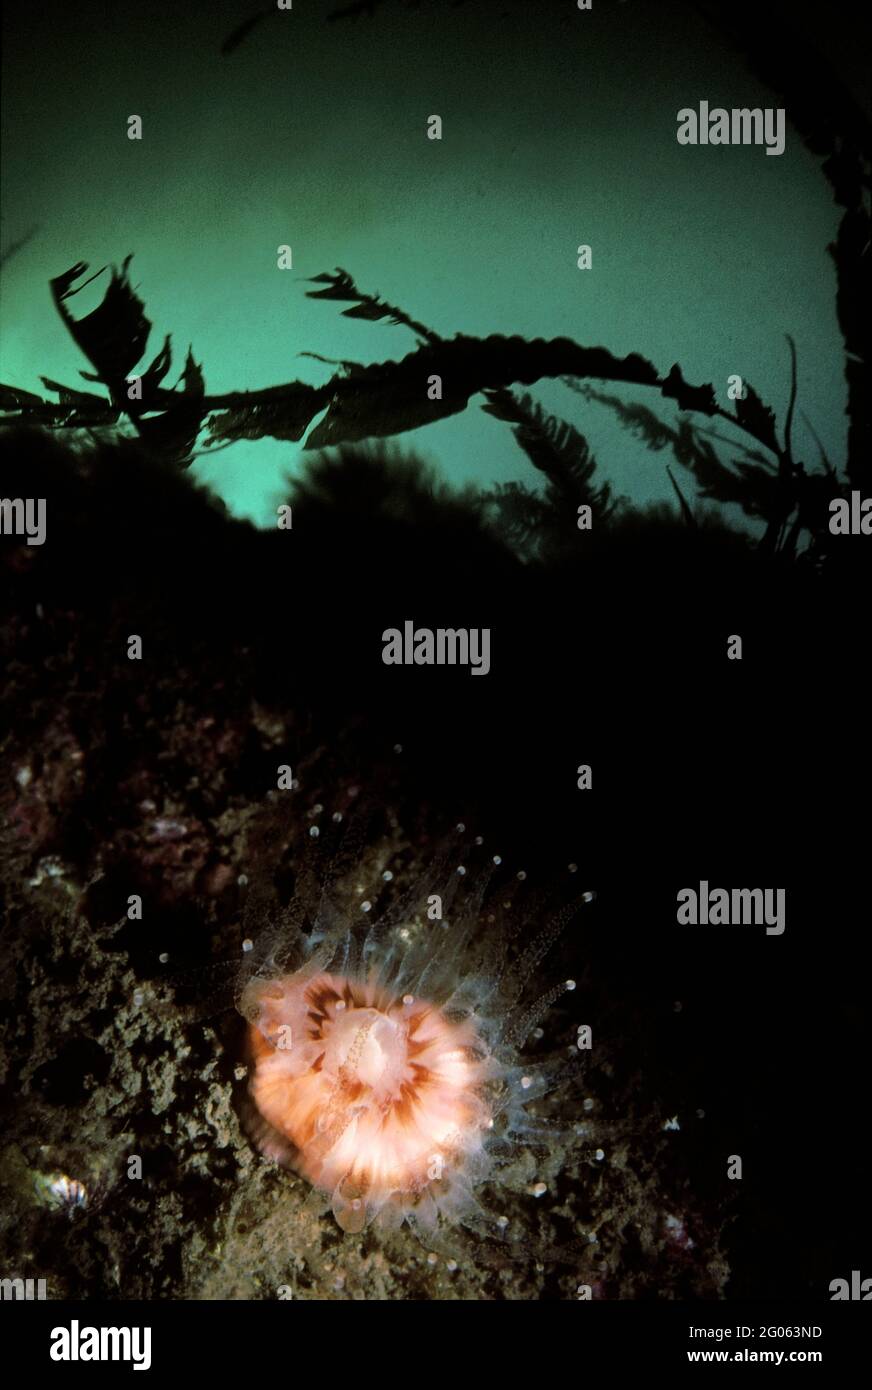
[362, 401]
[114, 337]
[556, 449]
[543, 524]
[752, 485]
[340, 285]
[686, 511]
[387, 398]
[782, 494]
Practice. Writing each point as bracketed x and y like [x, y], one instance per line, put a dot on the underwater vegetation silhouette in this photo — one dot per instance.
[383, 399]
[754, 467]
